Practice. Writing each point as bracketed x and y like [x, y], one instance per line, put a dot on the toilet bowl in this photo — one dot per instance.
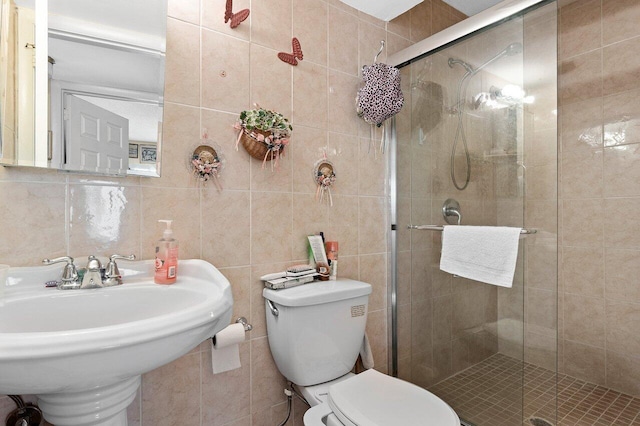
[315, 332]
[375, 399]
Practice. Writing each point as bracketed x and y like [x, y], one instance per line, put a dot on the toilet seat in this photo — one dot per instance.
[375, 399]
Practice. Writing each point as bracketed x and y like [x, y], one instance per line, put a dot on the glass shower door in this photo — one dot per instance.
[479, 127]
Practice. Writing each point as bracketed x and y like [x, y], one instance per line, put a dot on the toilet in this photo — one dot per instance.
[315, 333]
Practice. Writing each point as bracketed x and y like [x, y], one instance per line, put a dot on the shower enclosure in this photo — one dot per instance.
[480, 127]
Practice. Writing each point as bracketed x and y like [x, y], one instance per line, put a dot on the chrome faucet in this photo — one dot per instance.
[93, 276]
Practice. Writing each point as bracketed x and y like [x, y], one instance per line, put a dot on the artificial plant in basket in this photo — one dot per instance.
[263, 133]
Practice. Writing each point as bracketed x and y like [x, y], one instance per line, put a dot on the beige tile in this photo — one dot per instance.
[235, 173]
[225, 395]
[342, 110]
[377, 333]
[421, 288]
[421, 26]
[582, 174]
[188, 11]
[338, 4]
[225, 225]
[542, 311]
[621, 174]
[395, 44]
[372, 236]
[421, 326]
[580, 28]
[310, 218]
[404, 278]
[624, 232]
[225, 72]
[349, 267]
[441, 17]
[623, 373]
[104, 220]
[371, 170]
[584, 362]
[308, 145]
[213, 17]
[621, 118]
[34, 213]
[421, 215]
[581, 77]
[271, 24]
[343, 41]
[583, 223]
[310, 26]
[343, 151]
[343, 224]
[182, 85]
[273, 175]
[310, 95]
[374, 271]
[181, 135]
[584, 320]
[542, 182]
[581, 127]
[622, 269]
[240, 280]
[181, 206]
[272, 89]
[370, 37]
[401, 25]
[171, 393]
[583, 271]
[266, 381]
[542, 267]
[271, 219]
[619, 20]
[623, 322]
[621, 69]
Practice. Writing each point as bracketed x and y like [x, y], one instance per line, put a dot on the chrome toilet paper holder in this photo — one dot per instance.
[245, 323]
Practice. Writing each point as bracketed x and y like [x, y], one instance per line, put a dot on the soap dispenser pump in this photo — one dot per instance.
[166, 264]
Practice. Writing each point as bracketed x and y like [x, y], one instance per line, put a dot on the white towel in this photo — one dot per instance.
[365, 353]
[481, 253]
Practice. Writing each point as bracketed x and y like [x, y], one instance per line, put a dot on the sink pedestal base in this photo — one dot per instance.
[102, 406]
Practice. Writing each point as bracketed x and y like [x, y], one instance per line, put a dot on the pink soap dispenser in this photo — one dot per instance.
[166, 256]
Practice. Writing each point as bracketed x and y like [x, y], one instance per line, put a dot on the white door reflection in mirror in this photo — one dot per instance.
[96, 140]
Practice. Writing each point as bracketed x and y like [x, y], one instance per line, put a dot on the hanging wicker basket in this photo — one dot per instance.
[257, 149]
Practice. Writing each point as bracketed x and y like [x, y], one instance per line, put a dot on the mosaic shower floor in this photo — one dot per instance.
[490, 394]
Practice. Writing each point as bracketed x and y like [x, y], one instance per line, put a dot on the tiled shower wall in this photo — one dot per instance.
[259, 222]
[600, 192]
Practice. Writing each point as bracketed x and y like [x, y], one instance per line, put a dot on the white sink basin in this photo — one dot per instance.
[82, 351]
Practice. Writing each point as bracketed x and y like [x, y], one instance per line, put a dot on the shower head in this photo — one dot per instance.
[511, 50]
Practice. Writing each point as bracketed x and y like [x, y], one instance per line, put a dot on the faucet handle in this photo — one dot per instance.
[112, 273]
[113, 257]
[69, 273]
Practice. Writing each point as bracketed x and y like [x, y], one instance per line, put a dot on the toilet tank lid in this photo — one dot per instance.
[318, 292]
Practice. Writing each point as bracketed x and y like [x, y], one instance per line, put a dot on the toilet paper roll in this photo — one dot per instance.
[225, 352]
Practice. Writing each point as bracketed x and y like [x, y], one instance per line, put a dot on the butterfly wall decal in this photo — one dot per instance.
[292, 58]
[235, 18]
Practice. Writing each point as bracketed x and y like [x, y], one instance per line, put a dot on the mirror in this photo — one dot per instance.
[82, 85]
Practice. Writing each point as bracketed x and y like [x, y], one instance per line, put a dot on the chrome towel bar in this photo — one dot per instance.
[440, 228]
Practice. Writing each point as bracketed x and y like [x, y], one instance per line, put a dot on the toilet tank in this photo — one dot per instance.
[318, 332]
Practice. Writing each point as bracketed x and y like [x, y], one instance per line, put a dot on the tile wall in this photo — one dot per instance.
[599, 192]
[259, 222]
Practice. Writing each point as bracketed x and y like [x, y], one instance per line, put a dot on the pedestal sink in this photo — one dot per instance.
[82, 352]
